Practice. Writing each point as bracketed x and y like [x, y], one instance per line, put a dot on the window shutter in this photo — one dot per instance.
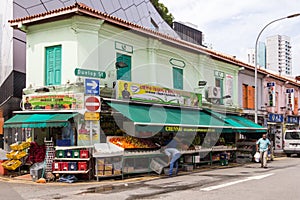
[53, 65]
[124, 73]
[245, 97]
[177, 78]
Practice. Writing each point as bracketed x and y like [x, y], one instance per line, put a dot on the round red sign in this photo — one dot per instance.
[92, 104]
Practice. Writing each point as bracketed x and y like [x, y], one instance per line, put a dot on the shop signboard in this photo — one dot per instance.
[154, 94]
[275, 118]
[290, 101]
[271, 94]
[188, 129]
[292, 119]
[53, 101]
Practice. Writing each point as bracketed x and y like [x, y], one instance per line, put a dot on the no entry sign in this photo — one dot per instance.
[92, 103]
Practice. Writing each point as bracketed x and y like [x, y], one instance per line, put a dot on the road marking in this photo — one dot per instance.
[235, 182]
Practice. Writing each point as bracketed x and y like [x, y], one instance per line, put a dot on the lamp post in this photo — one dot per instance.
[256, 63]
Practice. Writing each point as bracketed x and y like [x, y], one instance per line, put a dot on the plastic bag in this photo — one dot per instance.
[257, 157]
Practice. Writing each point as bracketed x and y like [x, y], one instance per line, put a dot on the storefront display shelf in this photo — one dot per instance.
[72, 159]
[71, 172]
[107, 176]
[73, 147]
[224, 149]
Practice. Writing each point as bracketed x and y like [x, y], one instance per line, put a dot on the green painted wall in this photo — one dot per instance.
[91, 44]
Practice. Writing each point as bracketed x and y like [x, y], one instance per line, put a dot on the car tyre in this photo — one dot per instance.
[288, 155]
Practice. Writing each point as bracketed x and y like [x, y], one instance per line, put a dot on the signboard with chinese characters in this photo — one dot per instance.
[272, 117]
[290, 101]
[271, 94]
[155, 94]
[53, 101]
[292, 119]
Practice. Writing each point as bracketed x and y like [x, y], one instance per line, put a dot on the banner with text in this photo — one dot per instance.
[53, 101]
[154, 94]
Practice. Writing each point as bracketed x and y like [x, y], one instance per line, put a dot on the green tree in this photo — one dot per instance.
[163, 11]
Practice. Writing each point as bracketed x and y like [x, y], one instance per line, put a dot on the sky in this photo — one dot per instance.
[232, 26]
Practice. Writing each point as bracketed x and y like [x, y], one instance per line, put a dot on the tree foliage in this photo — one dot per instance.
[163, 11]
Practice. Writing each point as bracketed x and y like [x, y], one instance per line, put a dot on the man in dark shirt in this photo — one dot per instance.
[125, 92]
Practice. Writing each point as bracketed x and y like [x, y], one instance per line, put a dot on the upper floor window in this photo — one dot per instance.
[53, 65]
[177, 78]
[123, 66]
[248, 96]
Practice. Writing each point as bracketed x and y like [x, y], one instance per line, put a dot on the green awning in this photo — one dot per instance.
[238, 122]
[39, 120]
[167, 116]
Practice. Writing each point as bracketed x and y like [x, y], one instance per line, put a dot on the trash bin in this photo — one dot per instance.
[36, 171]
[223, 159]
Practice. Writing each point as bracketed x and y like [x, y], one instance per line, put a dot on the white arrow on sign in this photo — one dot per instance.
[92, 84]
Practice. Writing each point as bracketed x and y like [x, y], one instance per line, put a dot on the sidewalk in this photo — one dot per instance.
[26, 179]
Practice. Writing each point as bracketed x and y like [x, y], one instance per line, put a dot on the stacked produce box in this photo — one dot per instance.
[18, 151]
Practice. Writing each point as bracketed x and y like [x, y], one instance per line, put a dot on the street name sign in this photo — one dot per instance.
[89, 73]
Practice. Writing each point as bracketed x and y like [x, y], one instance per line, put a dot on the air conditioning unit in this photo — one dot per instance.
[214, 92]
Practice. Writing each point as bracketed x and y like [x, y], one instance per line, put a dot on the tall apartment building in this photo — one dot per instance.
[279, 56]
[261, 55]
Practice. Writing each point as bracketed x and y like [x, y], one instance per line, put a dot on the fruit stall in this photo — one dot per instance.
[125, 155]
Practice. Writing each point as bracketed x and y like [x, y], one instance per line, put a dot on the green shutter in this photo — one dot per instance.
[124, 73]
[53, 65]
[177, 78]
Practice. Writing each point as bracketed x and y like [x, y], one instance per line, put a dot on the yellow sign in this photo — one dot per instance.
[91, 116]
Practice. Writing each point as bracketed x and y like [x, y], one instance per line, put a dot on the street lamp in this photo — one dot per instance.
[256, 63]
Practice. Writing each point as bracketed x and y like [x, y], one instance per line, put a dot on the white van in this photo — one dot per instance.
[291, 142]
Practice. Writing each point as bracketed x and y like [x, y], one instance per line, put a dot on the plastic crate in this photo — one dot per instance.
[84, 154]
[223, 162]
[82, 166]
[64, 166]
[14, 146]
[188, 168]
[63, 142]
[56, 166]
[157, 165]
[68, 154]
[60, 153]
[72, 166]
[76, 153]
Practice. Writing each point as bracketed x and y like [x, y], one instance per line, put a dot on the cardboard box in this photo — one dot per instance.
[108, 173]
[101, 167]
[117, 172]
[108, 167]
[100, 161]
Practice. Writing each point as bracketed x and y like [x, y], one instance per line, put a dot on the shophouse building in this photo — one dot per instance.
[91, 75]
[13, 41]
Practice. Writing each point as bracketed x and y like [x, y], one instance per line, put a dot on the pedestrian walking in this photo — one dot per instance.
[263, 146]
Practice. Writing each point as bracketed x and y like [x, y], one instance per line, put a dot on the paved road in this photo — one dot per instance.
[279, 181]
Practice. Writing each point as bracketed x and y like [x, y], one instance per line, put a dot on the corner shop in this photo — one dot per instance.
[215, 133]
